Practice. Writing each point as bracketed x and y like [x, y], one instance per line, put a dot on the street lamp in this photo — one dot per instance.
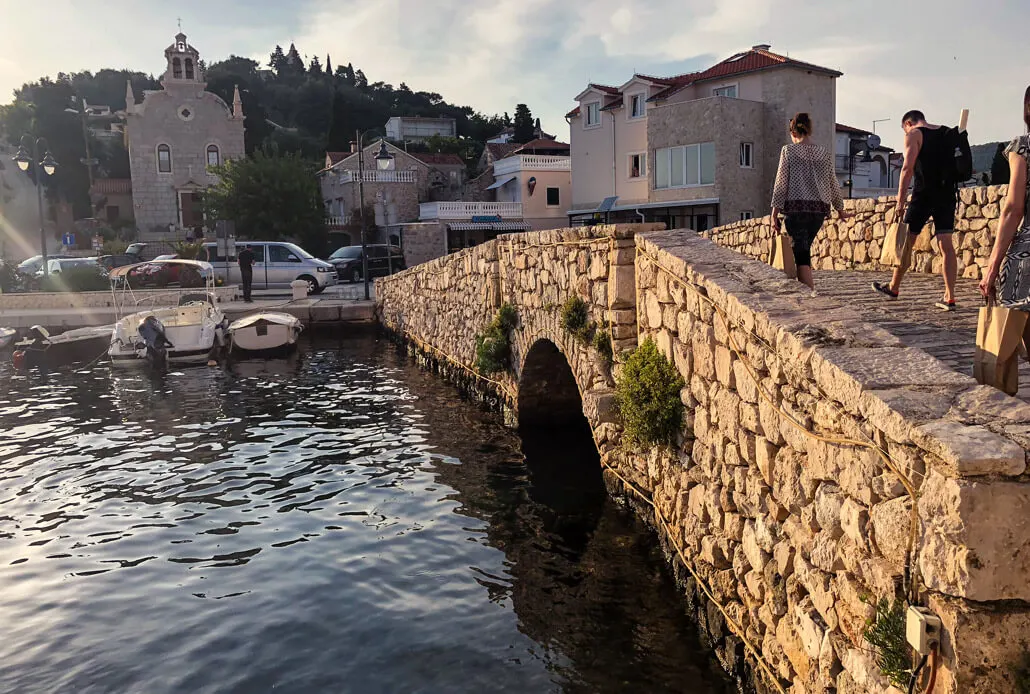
[383, 161]
[28, 155]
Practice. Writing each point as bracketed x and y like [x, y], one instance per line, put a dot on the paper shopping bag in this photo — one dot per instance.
[999, 333]
[783, 256]
[893, 252]
[923, 242]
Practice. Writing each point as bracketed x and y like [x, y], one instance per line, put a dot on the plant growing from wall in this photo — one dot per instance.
[603, 344]
[493, 345]
[885, 632]
[648, 395]
[575, 319]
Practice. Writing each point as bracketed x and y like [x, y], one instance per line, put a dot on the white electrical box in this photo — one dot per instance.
[922, 629]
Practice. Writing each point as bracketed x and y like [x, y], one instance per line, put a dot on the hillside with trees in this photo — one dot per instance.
[292, 105]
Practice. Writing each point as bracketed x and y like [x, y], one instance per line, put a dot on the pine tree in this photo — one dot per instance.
[538, 131]
[1000, 167]
[277, 60]
[338, 138]
[316, 67]
[328, 65]
[360, 80]
[523, 124]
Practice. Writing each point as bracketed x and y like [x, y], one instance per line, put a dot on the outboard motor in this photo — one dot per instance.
[153, 335]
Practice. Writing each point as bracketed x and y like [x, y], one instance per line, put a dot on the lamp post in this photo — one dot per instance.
[879, 120]
[383, 161]
[28, 155]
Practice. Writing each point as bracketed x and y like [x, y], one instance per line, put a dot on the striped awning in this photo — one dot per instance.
[489, 226]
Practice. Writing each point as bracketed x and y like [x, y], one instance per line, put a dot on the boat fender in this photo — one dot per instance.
[19, 359]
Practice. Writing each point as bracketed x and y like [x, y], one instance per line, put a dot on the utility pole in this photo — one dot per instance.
[361, 208]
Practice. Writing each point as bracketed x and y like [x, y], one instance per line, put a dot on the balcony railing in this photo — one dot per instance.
[336, 221]
[373, 176]
[531, 162]
[468, 210]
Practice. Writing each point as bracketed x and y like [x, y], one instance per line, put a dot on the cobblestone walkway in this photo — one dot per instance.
[948, 335]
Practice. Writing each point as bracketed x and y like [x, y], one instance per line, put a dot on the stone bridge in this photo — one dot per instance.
[812, 440]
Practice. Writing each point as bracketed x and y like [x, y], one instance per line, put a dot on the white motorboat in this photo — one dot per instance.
[265, 332]
[191, 333]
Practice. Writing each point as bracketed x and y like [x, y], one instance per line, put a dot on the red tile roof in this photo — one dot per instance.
[542, 145]
[614, 91]
[500, 150]
[111, 186]
[573, 113]
[337, 157]
[439, 158]
[854, 131]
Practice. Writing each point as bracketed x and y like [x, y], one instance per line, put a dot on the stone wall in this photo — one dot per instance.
[794, 533]
[855, 244]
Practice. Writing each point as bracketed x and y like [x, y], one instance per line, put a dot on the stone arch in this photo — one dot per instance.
[548, 394]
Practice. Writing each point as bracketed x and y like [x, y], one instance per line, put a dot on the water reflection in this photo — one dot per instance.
[337, 521]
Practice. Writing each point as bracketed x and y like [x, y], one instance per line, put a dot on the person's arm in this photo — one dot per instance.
[780, 189]
[1012, 213]
[913, 143]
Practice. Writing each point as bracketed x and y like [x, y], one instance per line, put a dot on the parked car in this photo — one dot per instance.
[118, 260]
[56, 266]
[136, 249]
[31, 266]
[382, 259]
[276, 265]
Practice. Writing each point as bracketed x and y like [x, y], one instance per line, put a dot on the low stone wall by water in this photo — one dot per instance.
[807, 433]
[77, 300]
[855, 244]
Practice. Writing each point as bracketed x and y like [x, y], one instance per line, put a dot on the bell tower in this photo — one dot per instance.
[183, 63]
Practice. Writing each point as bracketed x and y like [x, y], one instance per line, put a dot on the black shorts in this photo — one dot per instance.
[940, 206]
[802, 228]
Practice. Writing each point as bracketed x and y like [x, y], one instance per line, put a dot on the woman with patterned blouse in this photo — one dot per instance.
[1008, 273]
[806, 190]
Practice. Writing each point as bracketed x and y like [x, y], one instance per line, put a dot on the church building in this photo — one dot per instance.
[174, 136]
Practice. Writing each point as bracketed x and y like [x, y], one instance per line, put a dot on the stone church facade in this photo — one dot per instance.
[174, 136]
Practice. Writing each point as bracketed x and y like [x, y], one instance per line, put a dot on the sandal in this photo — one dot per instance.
[885, 288]
[946, 305]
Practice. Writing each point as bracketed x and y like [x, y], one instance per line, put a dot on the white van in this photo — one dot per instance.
[276, 264]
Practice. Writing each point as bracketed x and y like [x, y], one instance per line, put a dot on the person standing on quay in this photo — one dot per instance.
[806, 190]
[246, 261]
[928, 155]
[1009, 265]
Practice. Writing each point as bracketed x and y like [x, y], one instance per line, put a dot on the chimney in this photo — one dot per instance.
[761, 47]
[353, 147]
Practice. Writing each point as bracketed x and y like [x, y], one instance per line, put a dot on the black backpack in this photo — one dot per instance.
[959, 165]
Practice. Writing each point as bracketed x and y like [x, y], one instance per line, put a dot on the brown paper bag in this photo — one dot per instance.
[782, 257]
[999, 334]
[894, 244]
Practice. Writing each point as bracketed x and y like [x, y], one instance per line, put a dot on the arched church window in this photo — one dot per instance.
[189, 68]
[176, 68]
[213, 156]
[164, 159]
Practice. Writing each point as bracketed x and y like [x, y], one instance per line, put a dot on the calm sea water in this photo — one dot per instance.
[338, 521]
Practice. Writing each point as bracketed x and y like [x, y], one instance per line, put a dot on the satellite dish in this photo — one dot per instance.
[873, 141]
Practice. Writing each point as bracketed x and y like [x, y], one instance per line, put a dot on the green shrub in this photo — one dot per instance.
[84, 278]
[575, 318]
[493, 345]
[648, 394]
[603, 345]
[886, 634]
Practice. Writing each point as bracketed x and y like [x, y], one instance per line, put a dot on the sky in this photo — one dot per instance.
[492, 54]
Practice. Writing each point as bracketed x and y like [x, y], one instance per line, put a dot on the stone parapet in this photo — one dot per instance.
[81, 300]
[856, 243]
[806, 530]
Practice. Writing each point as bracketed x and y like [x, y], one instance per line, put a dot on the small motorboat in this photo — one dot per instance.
[265, 333]
[190, 333]
[40, 348]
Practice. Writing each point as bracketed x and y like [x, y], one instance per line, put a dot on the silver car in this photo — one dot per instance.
[276, 265]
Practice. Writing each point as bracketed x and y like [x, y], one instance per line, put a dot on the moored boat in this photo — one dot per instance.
[264, 333]
[7, 336]
[40, 348]
[188, 334]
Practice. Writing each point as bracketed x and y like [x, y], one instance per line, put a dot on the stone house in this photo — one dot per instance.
[693, 150]
[174, 136]
[419, 129]
[447, 174]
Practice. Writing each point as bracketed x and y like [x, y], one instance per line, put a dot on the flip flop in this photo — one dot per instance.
[946, 305]
[884, 288]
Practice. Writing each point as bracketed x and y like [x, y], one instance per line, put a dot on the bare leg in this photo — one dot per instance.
[906, 260]
[950, 265]
[805, 276]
